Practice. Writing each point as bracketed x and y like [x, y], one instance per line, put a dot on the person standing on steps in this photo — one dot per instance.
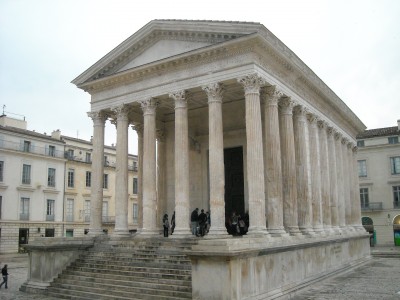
[173, 223]
[194, 219]
[165, 225]
[5, 276]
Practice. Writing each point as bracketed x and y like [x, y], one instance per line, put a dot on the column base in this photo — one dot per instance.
[278, 232]
[95, 232]
[219, 231]
[294, 231]
[182, 233]
[257, 231]
[150, 232]
[121, 233]
[307, 231]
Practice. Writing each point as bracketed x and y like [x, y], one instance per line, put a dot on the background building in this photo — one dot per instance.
[379, 175]
[45, 185]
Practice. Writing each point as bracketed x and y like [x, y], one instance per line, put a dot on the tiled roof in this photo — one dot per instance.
[387, 131]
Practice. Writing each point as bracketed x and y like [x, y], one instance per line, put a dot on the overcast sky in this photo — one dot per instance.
[353, 46]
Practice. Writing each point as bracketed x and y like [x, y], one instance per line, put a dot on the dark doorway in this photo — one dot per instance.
[49, 232]
[234, 182]
[23, 238]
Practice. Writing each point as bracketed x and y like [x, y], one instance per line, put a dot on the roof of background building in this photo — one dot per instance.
[29, 133]
[387, 131]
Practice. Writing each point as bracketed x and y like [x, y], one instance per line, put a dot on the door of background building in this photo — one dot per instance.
[23, 238]
[234, 181]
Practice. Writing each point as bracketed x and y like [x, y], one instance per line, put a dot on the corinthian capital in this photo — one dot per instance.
[286, 105]
[252, 83]
[149, 106]
[214, 92]
[97, 116]
[180, 98]
[138, 128]
[121, 111]
[272, 95]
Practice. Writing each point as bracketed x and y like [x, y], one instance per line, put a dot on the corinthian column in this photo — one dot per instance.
[340, 182]
[356, 209]
[325, 183]
[315, 175]
[96, 201]
[216, 158]
[303, 193]
[289, 184]
[121, 172]
[346, 184]
[149, 167]
[181, 165]
[273, 170]
[139, 130]
[333, 180]
[161, 161]
[255, 162]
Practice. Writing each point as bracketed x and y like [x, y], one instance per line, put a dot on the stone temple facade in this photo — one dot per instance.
[229, 118]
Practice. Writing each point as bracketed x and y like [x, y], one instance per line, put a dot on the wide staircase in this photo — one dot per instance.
[130, 269]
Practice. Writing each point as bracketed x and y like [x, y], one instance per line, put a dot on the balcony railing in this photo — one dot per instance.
[24, 217]
[9, 145]
[108, 219]
[372, 206]
[396, 204]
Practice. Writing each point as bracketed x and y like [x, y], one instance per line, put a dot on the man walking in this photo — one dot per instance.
[5, 276]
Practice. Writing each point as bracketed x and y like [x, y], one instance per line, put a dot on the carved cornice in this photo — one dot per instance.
[214, 92]
[252, 83]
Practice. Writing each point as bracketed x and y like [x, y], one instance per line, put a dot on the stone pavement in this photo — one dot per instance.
[378, 279]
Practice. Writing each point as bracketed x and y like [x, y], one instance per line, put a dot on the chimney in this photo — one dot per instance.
[56, 134]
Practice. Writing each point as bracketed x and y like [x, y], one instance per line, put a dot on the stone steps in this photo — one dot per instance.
[128, 270]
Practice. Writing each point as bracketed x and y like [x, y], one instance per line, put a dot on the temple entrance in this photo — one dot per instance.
[234, 181]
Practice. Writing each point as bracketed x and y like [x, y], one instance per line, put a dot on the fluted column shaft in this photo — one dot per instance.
[149, 167]
[216, 158]
[139, 131]
[346, 183]
[333, 180]
[289, 184]
[96, 201]
[340, 181]
[356, 210]
[182, 204]
[121, 172]
[303, 194]
[325, 181]
[161, 178]
[315, 175]
[255, 161]
[273, 170]
[352, 187]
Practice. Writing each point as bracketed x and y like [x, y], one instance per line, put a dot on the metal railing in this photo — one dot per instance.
[372, 206]
[15, 146]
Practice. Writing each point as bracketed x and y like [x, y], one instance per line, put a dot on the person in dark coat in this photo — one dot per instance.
[173, 223]
[166, 225]
[5, 276]
[202, 222]
[194, 219]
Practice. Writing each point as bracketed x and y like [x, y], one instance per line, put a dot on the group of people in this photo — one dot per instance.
[236, 224]
[200, 223]
[4, 273]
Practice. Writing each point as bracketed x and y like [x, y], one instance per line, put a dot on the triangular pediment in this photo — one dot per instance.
[161, 39]
[163, 49]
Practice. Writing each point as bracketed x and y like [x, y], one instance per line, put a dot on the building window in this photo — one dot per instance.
[50, 210]
[106, 162]
[27, 146]
[88, 179]
[360, 143]
[26, 174]
[49, 232]
[135, 166]
[393, 140]
[105, 212]
[51, 177]
[52, 151]
[396, 196]
[1, 170]
[135, 186]
[87, 210]
[70, 153]
[70, 210]
[69, 233]
[135, 213]
[24, 209]
[105, 181]
[364, 198]
[395, 165]
[71, 175]
[362, 168]
[88, 157]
